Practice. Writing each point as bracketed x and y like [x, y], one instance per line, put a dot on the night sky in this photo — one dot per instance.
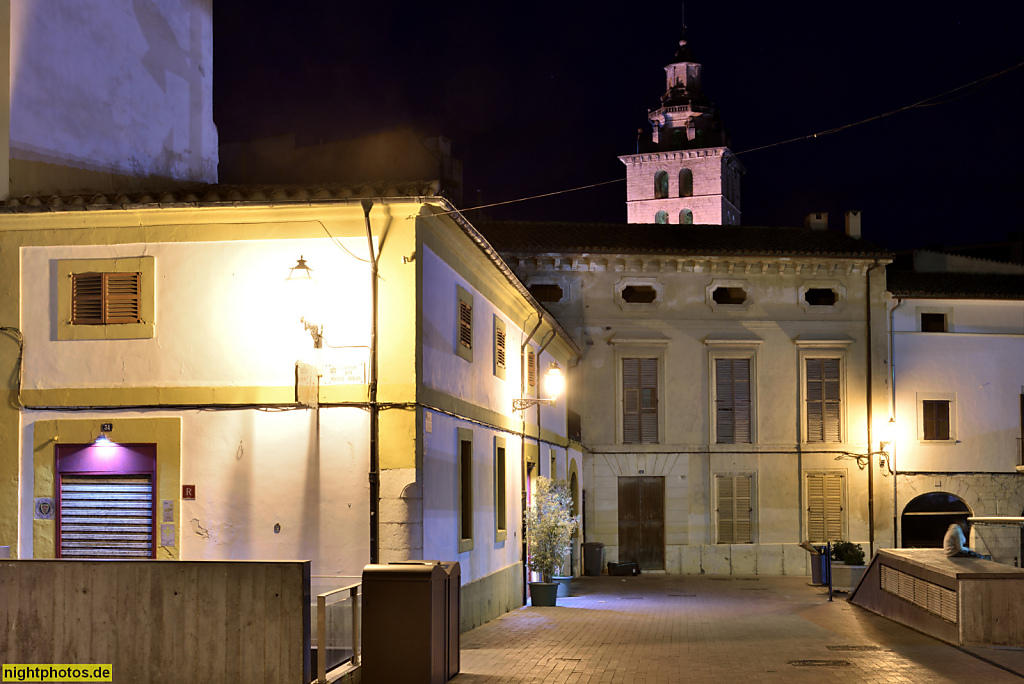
[544, 97]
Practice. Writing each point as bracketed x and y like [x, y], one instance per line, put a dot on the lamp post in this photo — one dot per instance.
[301, 275]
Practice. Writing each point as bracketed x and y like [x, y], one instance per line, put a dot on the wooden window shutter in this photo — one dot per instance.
[823, 410]
[106, 298]
[465, 324]
[499, 347]
[631, 401]
[640, 401]
[825, 507]
[734, 509]
[732, 401]
[531, 370]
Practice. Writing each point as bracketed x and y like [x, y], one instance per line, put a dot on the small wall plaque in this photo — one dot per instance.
[167, 534]
[188, 492]
[106, 427]
[44, 508]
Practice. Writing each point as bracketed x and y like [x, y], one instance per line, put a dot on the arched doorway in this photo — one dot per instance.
[927, 517]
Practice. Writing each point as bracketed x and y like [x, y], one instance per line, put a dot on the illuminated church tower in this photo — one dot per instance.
[685, 172]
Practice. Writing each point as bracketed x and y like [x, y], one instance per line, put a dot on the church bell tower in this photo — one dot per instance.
[684, 172]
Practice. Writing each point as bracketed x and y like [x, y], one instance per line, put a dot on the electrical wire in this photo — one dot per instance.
[927, 102]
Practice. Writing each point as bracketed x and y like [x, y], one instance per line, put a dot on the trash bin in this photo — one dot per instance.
[405, 615]
[821, 565]
[453, 616]
[593, 553]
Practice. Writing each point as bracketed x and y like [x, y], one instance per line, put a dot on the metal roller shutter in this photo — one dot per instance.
[106, 516]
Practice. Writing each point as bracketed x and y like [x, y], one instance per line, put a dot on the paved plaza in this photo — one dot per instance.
[681, 628]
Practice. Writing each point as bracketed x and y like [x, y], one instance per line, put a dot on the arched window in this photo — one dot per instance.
[685, 183]
[927, 517]
[661, 217]
[685, 217]
[661, 185]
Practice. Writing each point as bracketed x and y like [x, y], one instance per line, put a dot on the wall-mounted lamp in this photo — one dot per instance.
[102, 441]
[554, 385]
[302, 274]
[888, 434]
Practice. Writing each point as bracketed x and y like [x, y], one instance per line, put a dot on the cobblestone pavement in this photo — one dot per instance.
[671, 628]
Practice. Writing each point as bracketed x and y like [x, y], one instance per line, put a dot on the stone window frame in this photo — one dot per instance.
[653, 283]
[731, 349]
[829, 349]
[833, 285]
[744, 285]
[560, 281]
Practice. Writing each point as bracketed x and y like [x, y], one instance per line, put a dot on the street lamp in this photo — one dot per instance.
[302, 277]
[554, 384]
[887, 436]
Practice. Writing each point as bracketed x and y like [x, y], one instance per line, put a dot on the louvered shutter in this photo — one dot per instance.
[734, 509]
[631, 401]
[649, 401]
[531, 370]
[499, 346]
[121, 295]
[106, 516]
[87, 299]
[465, 324]
[823, 408]
[106, 298]
[732, 401]
[825, 507]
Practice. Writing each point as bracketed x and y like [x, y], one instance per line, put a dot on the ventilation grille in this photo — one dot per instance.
[922, 593]
[106, 516]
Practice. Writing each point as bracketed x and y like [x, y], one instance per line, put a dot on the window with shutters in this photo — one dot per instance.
[500, 498]
[464, 323]
[822, 398]
[499, 347]
[936, 417]
[105, 298]
[531, 371]
[732, 401]
[639, 401]
[734, 507]
[465, 484]
[825, 509]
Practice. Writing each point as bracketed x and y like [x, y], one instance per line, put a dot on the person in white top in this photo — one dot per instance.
[955, 543]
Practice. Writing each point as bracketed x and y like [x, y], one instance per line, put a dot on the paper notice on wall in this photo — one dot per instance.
[167, 534]
[168, 507]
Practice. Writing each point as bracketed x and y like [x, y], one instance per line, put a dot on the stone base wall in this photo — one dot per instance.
[490, 596]
[731, 559]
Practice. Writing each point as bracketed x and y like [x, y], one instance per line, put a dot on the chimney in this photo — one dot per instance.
[853, 224]
[816, 220]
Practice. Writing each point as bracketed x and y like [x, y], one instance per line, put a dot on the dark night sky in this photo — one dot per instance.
[542, 97]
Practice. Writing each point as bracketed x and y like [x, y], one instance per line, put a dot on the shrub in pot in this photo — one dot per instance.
[848, 552]
[550, 525]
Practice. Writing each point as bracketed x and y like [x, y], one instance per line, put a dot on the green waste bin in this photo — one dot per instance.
[405, 615]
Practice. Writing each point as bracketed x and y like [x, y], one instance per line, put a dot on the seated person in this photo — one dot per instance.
[955, 543]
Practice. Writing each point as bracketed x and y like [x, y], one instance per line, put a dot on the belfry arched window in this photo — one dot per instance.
[685, 183]
[661, 185]
[661, 217]
[685, 217]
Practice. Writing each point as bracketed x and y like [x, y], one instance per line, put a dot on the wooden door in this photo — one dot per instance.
[642, 521]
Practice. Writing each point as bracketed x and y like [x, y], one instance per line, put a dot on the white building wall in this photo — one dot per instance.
[111, 88]
[225, 315]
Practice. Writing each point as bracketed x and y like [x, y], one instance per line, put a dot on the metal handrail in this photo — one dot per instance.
[321, 628]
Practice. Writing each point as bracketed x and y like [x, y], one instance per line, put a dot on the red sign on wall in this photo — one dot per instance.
[188, 492]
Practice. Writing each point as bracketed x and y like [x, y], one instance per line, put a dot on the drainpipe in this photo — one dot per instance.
[522, 449]
[870, 413]
[374, 409]
[892, 405]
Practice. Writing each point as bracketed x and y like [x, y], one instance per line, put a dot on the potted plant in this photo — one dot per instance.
[550, 525]
[847, 565]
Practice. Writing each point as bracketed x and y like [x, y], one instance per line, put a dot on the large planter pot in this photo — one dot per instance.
[563, 585]
[846, 577]
[543, 593]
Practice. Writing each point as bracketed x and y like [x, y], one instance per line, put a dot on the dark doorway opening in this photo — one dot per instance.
[926, 518]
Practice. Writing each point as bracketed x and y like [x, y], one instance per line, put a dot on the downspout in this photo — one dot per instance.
[522, 450]
[870, 413]
[374, 409]
[892, 404]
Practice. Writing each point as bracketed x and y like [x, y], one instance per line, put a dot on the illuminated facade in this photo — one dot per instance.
[172, 329]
